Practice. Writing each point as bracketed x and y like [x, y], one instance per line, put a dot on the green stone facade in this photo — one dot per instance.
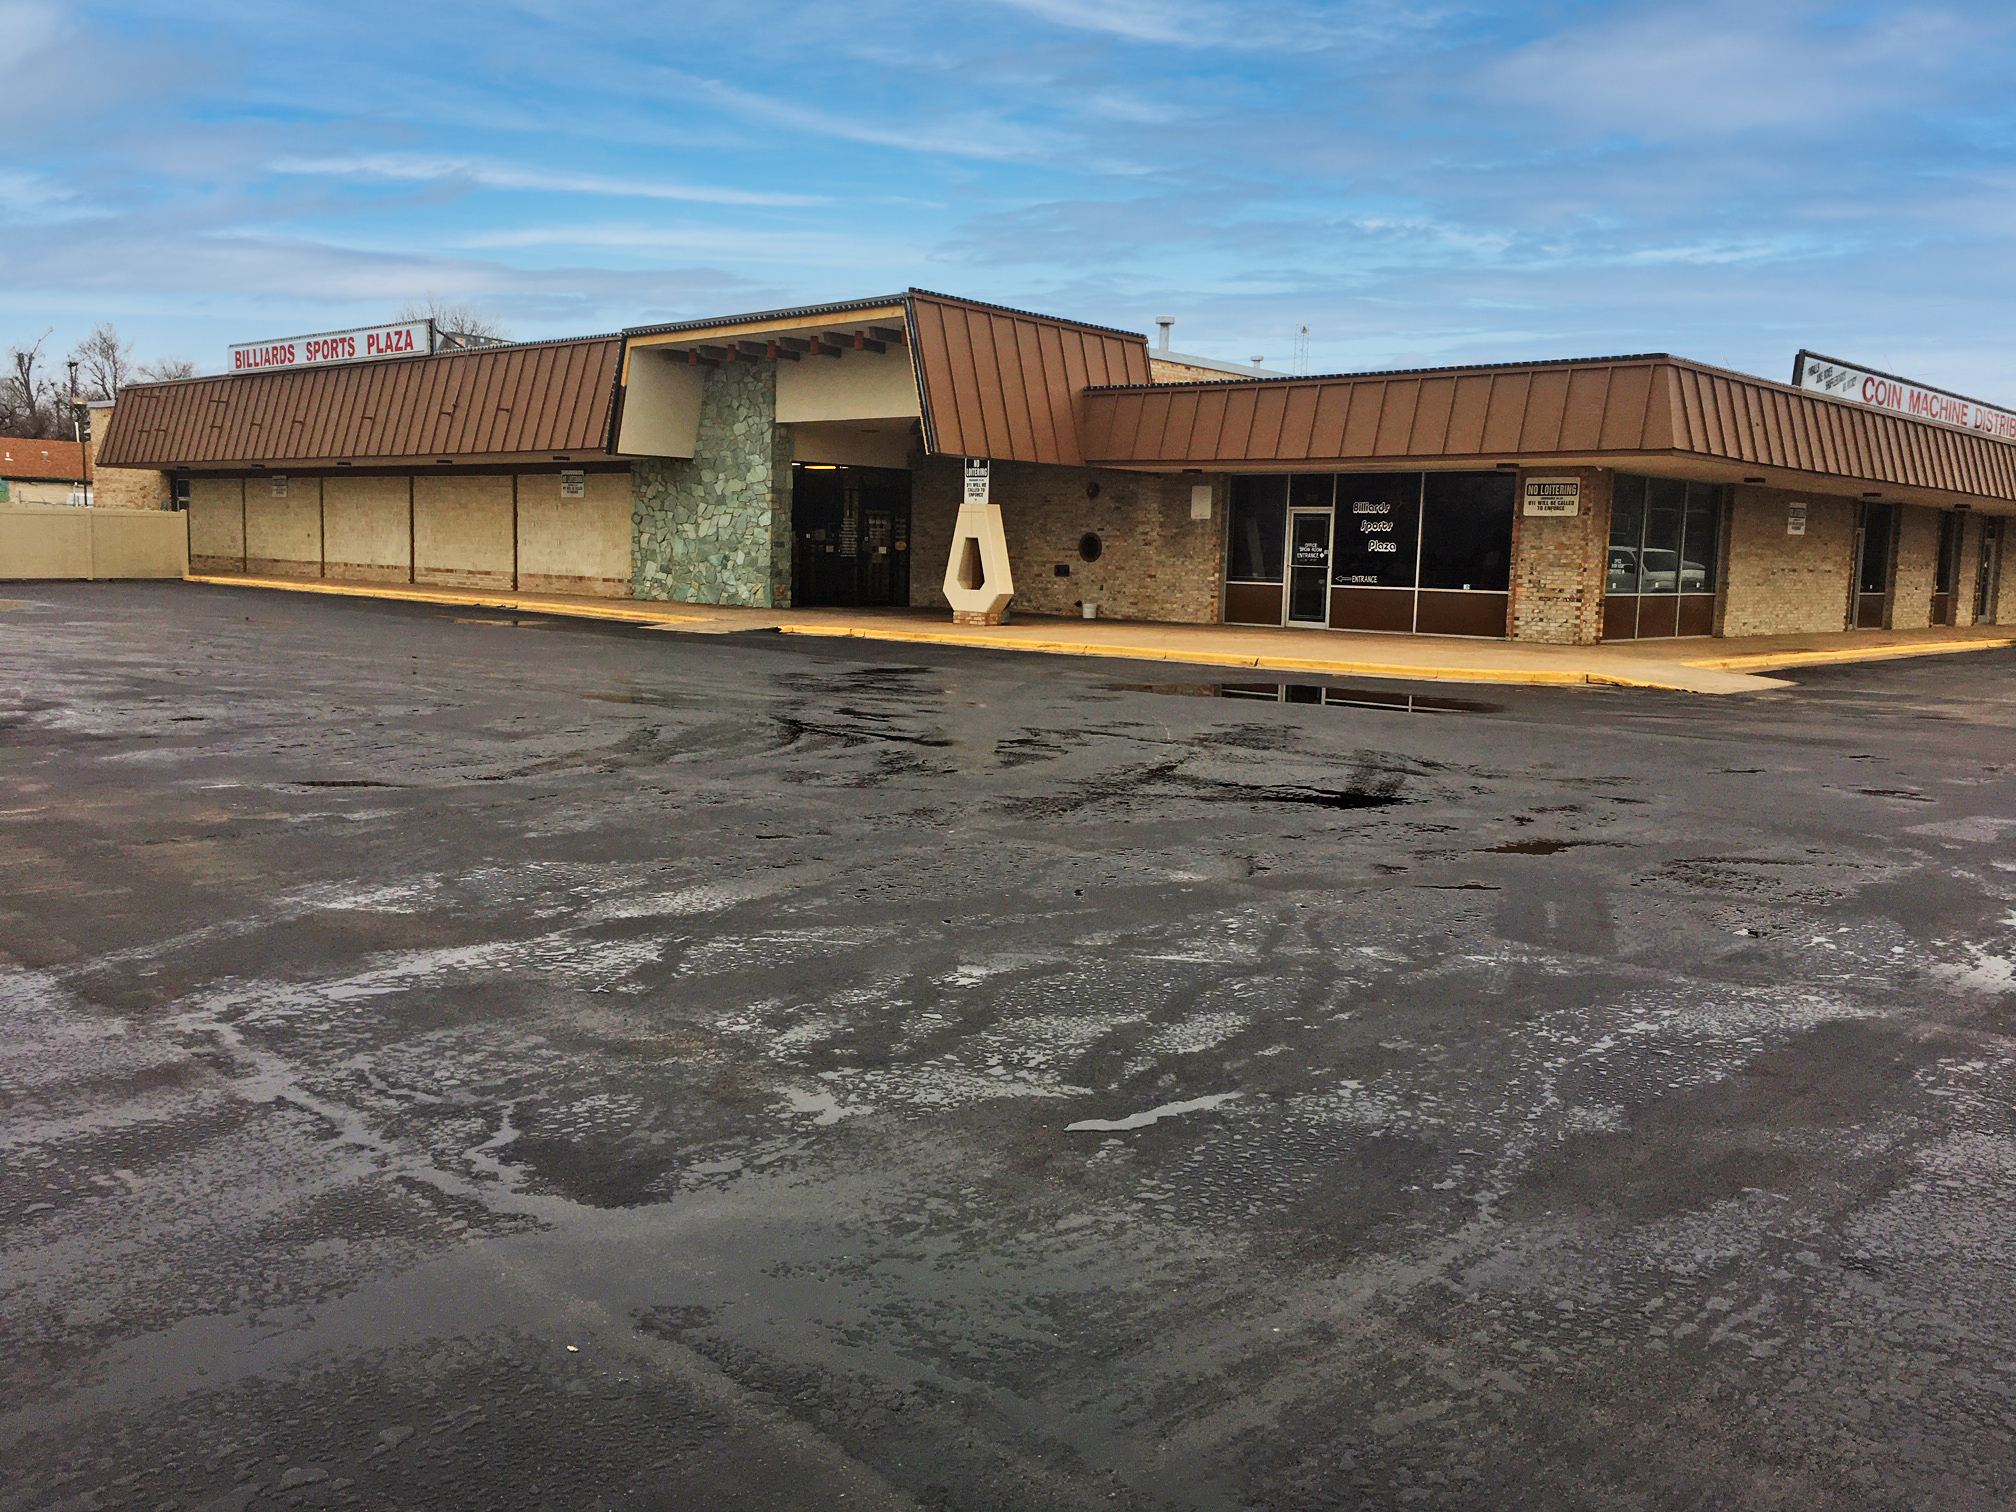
[717, 529]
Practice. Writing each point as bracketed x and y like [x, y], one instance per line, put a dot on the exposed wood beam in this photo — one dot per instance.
[780, 353]
[759, 327]
[889, 334]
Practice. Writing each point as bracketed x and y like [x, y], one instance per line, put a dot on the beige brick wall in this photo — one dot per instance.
[129, 488]
[574, 545]
[1779, 584]
[462, 535]
[366, 530]
[284, 536]
[1558, 565]
[1917, 568]
[216, 525]
[1156, 563]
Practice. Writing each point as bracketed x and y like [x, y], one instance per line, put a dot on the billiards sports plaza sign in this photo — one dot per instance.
[1900, 396]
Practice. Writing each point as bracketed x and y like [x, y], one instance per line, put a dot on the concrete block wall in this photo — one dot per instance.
[367, 529]
[575, 545]
[716, 528]
[1779, 584]
[462, 531]
[1155, 561]
[1558, 565]
[217, 525]
[283, 536]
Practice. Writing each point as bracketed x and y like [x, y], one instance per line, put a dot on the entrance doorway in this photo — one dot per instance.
[1987, 571]
[1309, 567]
[1946, 571]
[1873, 552]
[850, 536]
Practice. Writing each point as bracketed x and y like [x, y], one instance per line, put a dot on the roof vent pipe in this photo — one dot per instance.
[1162, 323]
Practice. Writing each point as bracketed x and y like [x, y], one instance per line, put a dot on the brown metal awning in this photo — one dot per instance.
[1610, 411]
[529, 400]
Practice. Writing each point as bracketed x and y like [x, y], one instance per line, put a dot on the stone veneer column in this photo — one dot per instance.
[1558, 564]
[716, 529]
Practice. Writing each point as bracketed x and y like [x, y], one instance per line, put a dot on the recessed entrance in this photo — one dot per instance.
[850, 530]
[1875, 552]
[1309, 567]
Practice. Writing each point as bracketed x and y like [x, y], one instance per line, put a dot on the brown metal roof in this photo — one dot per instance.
[1004, 383]
[531, 398]
[1598, 408]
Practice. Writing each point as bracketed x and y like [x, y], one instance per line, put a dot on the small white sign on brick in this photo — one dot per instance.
[1200, 501]
[1560, 498]
[1795, 517]
[979, 481]
[573, 485]
[279, 485]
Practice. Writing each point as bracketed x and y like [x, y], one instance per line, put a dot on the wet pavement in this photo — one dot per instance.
[456, 1059]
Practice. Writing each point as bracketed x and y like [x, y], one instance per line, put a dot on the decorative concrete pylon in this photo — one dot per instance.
[978, 583]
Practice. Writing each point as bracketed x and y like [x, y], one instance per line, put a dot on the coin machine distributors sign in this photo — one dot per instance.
[1560, 498]
[413, 338]
[1886, 391]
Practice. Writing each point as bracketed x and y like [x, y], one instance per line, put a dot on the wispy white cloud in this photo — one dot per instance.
[417, 169]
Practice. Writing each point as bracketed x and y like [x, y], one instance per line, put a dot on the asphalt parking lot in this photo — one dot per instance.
[454, 1059]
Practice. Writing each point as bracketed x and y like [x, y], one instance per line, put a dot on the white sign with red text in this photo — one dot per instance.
[412, 338]
[1823, 375]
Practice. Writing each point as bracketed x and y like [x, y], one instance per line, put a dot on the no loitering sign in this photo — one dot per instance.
[1560, 498]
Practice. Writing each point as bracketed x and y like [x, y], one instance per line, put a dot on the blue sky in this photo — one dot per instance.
[1418, 183]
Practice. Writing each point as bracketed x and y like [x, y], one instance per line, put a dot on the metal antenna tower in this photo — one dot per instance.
[1302, 351]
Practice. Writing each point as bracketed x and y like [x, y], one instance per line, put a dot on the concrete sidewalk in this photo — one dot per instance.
[1716, 666]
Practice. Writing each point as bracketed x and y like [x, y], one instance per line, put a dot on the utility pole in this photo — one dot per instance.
[77, 429]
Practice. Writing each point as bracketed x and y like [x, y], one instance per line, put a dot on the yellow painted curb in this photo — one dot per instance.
[1394, 671]
[627, 612]
[1767, 660]
[455, 600]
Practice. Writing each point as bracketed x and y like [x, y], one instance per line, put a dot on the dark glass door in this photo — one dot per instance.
[1872, 567]
[1309, 567]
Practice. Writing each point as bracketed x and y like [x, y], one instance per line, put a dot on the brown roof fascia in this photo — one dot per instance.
[1587, 410]
[1008, 384]
[501, 401]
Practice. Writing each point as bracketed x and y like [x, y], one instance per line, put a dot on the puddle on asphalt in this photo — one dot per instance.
[1317, 693]
[1540, 847]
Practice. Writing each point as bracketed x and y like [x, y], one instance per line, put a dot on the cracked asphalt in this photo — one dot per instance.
[456, 1059]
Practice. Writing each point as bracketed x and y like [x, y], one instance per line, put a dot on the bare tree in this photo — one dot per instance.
[161, 369]
[456, 318]
[29, 403]
[104, 362]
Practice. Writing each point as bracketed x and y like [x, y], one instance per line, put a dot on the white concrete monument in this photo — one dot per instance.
[978, 583]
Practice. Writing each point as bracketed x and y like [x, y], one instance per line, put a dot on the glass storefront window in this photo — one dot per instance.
[1259, 526]
[1466, 530]
[1700, 538]
[1664, 536]
[1665, 515]
[1378, 530]
[1627, 534]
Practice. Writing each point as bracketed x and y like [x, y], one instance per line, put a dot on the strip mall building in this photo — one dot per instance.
[817, 456]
